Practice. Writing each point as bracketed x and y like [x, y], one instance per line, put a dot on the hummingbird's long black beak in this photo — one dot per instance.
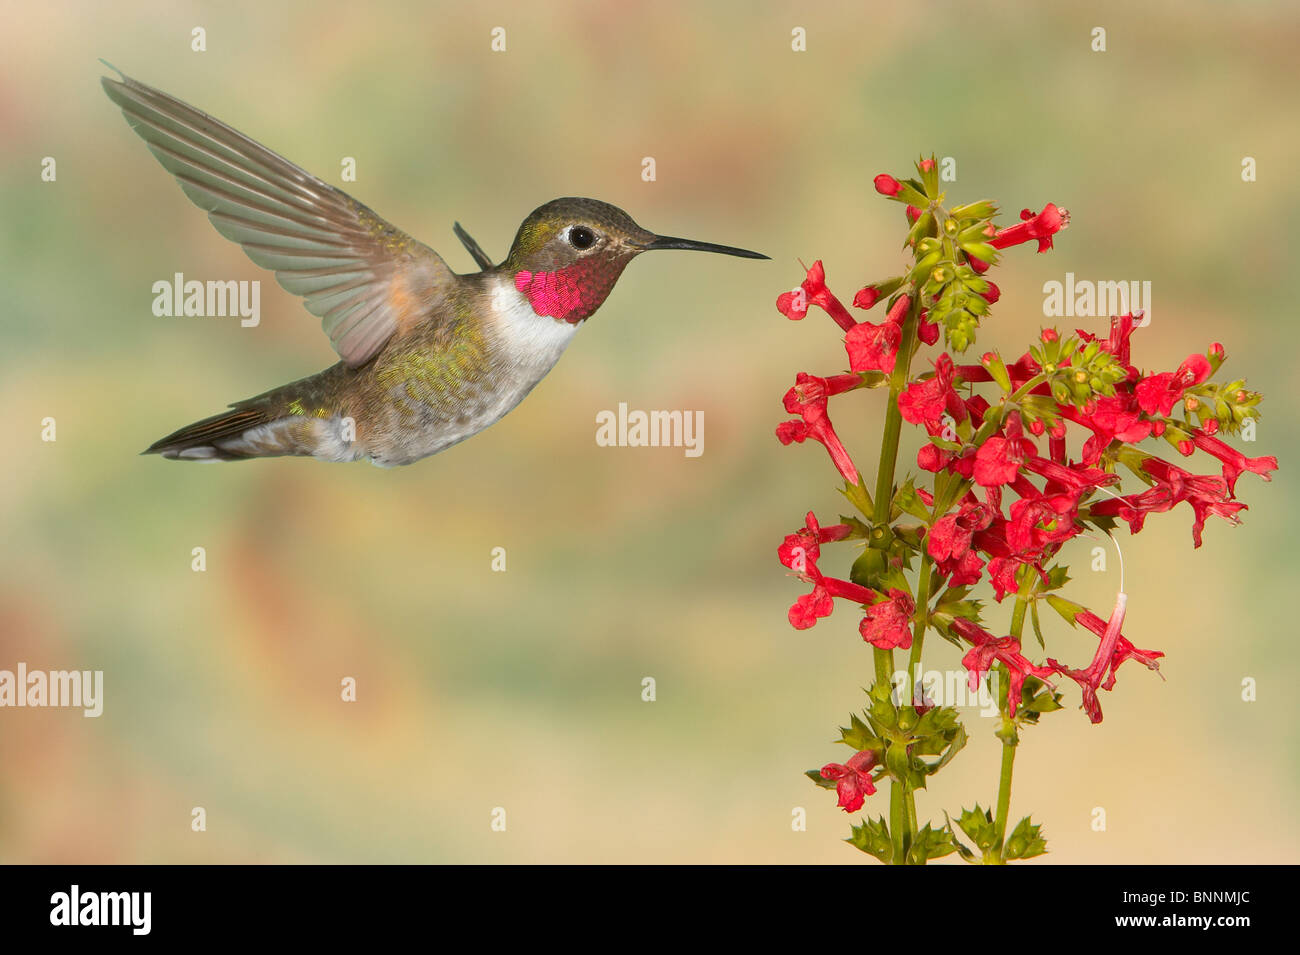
[690, 245]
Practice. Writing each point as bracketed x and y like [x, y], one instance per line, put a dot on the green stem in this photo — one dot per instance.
[914, 661]
[902, 808]
[1026, 388]
[1018, 617]
[898, 820]
[1004, 784]
[1008, 745]
[922, 617]
[893, 416]
[884, 660]
[909, 802]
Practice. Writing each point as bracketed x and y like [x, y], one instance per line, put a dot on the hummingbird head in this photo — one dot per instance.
[569, 253]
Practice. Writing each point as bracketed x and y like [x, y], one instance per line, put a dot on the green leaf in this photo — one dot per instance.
[955, 747]
[1033, 617]
[1057, 577]
[865, 568]
[882, 691]
[894, 577]
[942, 721]
[858, 495]
[909, 502]
[816, 776]
[1038, 697]
[858, 735]
[981, 250]
[872, 837]
[952, 602]
[978, 824]
[930, 844]
[1025, 841]
[962, 850]
[1068, 609]
[858, 529]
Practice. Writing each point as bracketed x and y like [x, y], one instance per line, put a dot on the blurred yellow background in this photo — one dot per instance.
[522, 689]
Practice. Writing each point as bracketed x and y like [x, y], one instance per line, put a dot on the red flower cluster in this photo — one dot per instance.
[998, 497]
[1023, 497]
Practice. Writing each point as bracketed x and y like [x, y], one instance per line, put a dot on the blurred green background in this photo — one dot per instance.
[522, 689]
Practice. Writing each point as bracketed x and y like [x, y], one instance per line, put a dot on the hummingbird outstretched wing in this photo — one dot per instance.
[364, 278]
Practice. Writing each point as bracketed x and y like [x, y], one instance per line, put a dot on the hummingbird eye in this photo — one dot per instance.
[580, 237]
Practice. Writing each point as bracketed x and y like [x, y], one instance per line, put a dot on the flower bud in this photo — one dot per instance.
[866, 297]
[887, 185]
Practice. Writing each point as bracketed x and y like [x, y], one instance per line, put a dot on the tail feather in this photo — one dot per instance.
[301, 418]
[212, 439]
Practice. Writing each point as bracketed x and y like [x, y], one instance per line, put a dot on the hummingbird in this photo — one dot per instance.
[428, 357]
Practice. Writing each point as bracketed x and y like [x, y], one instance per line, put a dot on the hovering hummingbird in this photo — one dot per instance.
[429, 357]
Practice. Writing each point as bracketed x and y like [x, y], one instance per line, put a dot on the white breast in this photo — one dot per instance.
[525, 346]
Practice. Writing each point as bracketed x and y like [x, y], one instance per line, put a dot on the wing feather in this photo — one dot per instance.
[365, 279]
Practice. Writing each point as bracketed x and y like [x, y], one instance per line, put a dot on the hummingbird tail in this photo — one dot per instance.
[218, 438]
[256, 432]
[300, 418]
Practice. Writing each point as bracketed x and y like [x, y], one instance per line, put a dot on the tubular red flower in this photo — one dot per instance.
[999, 459]
[1037, 523]
[950, 536]
[813, 291]
[1074, 480]
[949, 542]
[1002, 575]
[803, 547]
[811, 607]
[887, 624]
[1112, 650]
[926, 401]
[1005, 650]
[1206, 494]
[1041, 227]
[853, 779]
[1114, 417]
[800, 552]
[874, 347]
[808, 399]
[1234, 462]
[1117, 343]
[1157, 394]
